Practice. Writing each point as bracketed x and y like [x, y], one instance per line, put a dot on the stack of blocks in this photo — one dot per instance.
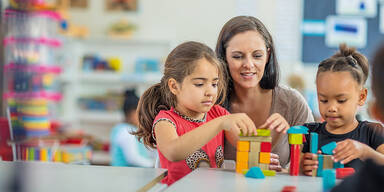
[254, 151]
[295, 138]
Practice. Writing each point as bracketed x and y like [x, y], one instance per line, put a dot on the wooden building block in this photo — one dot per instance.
[295, 160]
[314, 171]
[327, 162]
[253, 159]
[295, 138]
[263, 132]
[314, 142]
[269, 172]
[341, 173]
[265, 147]
[256, 138]
[264, 166]
[264, 157]
[289, 189]
[243, 146]
[240, 166]
[242, 157]
[338, 165]
[255, 146]
[320, 166]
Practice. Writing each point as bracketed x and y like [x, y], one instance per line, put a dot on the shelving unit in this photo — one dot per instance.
[77, 83]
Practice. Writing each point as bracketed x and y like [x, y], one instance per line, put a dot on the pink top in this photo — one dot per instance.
[210, 154]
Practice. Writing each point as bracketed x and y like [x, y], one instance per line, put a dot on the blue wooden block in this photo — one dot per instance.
[320, 167]
[298, 130]
[328, 148]
[255, 172]
[329, 179]
[314, 142]
[338, 165]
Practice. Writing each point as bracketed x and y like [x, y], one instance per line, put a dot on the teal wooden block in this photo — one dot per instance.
[314, 142]
[320, 167]
[255, 172]
[328, 148]
[329, 179]
[298, 130]
[338, 165]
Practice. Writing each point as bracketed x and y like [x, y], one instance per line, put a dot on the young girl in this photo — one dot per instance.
[340, 88]
[179, 115]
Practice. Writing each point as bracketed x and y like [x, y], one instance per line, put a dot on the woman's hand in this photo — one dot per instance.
[276, 122]
[349, 150]
[238, 122]
[275, 163]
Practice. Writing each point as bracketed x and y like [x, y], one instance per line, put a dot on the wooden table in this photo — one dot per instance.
[221, 180]
[58, 177]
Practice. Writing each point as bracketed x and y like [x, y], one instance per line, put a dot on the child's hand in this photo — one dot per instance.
[276, 122]
[275, 163]
[349, 150]
[309, 164]
[239, 122]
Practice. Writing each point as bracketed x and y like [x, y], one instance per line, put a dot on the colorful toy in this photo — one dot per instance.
[254, 151]
[341, 173]
[289, 189]
[329, 179]
[255, 172]
[295, 138]
[328, 148]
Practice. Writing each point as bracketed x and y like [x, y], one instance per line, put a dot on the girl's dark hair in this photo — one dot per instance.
[241, 24]
[130, 101]
[378, 77]
[347, 59]
[180, 63]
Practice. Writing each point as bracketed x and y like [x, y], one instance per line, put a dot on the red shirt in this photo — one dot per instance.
[210, 154]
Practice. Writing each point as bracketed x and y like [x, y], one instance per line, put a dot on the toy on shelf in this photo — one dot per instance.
[295, 138]
[254, 151]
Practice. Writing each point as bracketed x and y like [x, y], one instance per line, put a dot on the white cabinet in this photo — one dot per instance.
[77, 82]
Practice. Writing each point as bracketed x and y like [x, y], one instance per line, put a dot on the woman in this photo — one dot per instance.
[247, 51]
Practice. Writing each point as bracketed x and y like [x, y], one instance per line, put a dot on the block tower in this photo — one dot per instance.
[254, 151]
[295, 139]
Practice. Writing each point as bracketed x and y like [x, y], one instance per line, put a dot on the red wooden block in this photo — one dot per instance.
[295, 160]
[304, 139]
[289, 189]
[265, 147]
[344, 172]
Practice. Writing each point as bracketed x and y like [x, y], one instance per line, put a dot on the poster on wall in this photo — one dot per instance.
[366, 8]
[121, 5]
[350, 30]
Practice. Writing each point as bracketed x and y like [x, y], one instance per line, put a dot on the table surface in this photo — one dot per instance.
[223, 180]
[45, 176]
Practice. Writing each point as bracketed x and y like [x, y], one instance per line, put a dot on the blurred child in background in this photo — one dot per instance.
[126, 150]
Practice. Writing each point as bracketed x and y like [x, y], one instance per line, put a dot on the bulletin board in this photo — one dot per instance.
[314, 48]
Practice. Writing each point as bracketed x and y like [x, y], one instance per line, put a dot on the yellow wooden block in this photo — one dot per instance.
[264, 157]
[243, 146]
[263, 132]
[295, 138]
[269, 172]
[240, 166]
[242, 156]
[253, 159]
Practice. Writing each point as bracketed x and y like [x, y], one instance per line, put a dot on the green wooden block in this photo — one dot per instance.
[269, 172]
[263, 132]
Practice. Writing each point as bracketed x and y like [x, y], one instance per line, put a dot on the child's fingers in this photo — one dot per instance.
[275, 167]
[348, 159]
[340, 146]
[308, 173]
[343, 155]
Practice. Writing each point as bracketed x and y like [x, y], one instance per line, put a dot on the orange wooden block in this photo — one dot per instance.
[242, 156]
[240, 166]
[243, 146]
[264, 157]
